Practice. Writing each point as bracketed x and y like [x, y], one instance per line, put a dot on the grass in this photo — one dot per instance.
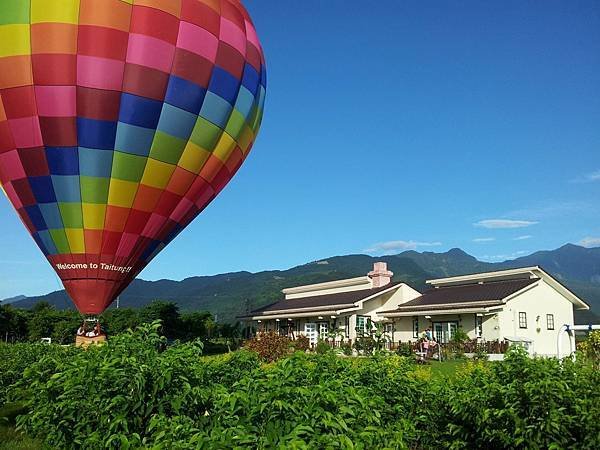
[10, 438]
[441, 369]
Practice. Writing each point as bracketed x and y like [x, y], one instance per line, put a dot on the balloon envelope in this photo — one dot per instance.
[120, 120]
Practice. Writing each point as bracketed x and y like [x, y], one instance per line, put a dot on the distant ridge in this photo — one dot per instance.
[231, 294]
[7, 301]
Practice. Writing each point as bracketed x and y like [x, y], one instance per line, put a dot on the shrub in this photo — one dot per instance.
[524, 403]
[459, 336]
[365, 345]
[590, 348]
[302, 343]
[379, 337]
[346, 348]
[322, 347]
[15, 358]
[225, 369]
[480, 354]
[270, 346]
[305, 401]
[108, 394]
[404, 349]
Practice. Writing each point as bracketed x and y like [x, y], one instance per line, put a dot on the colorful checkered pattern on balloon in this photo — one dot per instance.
[120, 120]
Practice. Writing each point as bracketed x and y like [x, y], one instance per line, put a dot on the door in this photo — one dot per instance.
[310, 331]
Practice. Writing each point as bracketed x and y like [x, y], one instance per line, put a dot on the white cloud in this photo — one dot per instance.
[391, 246]
[495, 258]
[590, 242]
[504, 223]
[588, 178]
[488, 239]
[522, 238]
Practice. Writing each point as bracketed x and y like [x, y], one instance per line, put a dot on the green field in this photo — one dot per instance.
[446, 368]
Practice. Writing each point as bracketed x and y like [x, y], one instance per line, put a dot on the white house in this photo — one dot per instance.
[524, 305]
[346, 307]
[520, 305]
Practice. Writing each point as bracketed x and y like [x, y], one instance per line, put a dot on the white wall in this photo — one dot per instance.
[403, 329]
[403, 294]
[537, 302]
[491, 327]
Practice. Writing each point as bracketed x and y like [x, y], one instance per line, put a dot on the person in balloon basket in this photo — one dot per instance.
[95, 332]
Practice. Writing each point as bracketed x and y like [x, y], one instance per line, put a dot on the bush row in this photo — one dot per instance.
[137, 392]
[15, 358]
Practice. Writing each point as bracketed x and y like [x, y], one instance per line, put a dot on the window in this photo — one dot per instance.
[479, 325]
[522, 320]
[323, 330]
[388, 328]
[347, 326]
[281, 327]
[361, 324]
[310, 331]
[550, 321]
[443, 332]
[416, 327]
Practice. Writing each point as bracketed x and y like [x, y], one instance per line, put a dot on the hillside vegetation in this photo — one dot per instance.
[229, 295]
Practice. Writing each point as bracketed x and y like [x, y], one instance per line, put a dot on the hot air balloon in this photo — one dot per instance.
[120, 121]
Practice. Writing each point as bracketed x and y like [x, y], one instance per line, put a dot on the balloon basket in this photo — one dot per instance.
[85, 338]
[84, 341]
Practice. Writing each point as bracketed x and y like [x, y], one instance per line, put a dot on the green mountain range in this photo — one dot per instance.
[233, 294]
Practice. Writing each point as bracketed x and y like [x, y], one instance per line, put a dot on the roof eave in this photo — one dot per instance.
[297, 315]
[348, 282]
[279, 312]
[434, 312]
[479, 276]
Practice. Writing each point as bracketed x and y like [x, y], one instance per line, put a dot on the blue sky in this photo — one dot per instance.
[397, 125]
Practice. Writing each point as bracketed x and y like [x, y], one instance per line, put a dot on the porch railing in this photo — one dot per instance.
[472, 346]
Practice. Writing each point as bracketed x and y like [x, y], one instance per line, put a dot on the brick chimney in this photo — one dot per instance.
[380, 275]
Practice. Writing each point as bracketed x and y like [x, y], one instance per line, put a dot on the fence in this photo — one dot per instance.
[473, 346]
